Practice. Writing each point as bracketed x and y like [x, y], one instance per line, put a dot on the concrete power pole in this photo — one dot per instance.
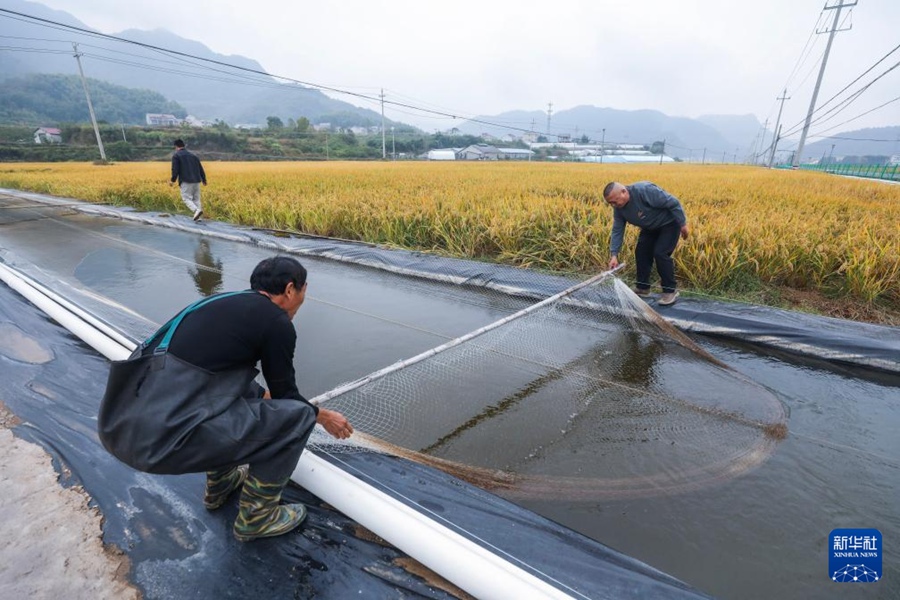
[383, 144]
[812, 104]
[783, 97]
[87, 95]
[602, 144]
[758, 147]
[549, 112]
[774, 145]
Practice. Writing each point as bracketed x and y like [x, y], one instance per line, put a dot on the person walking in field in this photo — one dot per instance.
[187, 170]
[661, 219]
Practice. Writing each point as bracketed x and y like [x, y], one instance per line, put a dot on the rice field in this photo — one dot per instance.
[749, 226]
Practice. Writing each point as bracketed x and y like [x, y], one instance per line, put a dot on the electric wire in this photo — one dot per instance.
[56, 25]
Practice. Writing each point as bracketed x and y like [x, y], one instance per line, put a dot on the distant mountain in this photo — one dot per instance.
[685, 138]
[206, 90]
[876, 141]
[52, 99]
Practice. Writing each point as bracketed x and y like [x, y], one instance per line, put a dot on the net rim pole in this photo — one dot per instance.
[474, 568]
[85, 330]
[76, 310]
[352, 385]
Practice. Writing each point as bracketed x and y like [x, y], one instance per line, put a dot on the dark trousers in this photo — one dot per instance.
[270, 435]
[657, 245]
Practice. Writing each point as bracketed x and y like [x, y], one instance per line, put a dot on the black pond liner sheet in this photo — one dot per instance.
[760, 535]
[820, 338]
[179, 550]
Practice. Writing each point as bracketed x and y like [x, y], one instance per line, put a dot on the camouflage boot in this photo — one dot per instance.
[260, 515]
[220, 485]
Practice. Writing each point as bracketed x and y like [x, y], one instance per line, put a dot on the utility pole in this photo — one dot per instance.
[783, 97]
[795, 162]
[383, 145]
[393, 147]
[663, 151]
[774, 145]
[124, 139]
[723, 156]
[602, 144]
[703, 162]
[549, 112]
[87, 95]
[758, 149]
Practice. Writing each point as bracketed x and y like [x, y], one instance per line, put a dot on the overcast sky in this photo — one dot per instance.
[682, 57]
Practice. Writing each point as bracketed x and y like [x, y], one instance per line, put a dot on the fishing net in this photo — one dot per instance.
[591, 383]
[588, 394]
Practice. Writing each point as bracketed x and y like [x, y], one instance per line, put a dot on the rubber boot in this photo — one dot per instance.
[260, 515]
[221, 484]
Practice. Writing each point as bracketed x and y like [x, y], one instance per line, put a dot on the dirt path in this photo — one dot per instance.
[50, 538]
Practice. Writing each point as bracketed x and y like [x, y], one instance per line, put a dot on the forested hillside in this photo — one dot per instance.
[51, 99]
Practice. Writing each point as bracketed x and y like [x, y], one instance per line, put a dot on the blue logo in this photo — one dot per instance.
[854, 555]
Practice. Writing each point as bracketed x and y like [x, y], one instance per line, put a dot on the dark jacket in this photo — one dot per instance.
[650, 207]
[186, 168]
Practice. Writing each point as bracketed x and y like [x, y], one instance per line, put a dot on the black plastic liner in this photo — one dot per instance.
[824, 338]
[179, 550]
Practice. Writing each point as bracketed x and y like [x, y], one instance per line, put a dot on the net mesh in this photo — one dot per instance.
[594, 385]
[590, 395]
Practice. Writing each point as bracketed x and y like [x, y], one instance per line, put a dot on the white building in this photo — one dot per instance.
[48, 135]
[444, 154]
[163, 120]
[195, 122]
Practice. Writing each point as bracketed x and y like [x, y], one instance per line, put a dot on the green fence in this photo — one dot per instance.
[888, 172]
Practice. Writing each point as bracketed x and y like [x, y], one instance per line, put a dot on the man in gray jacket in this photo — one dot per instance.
[661, 219]
[188, 171]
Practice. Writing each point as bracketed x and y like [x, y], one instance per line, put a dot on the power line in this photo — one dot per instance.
[860, 115]
[840, 107]
[839, 137]
[37, 50]
[57, 25]
[812, 104]
[846, 101]
[807, 49]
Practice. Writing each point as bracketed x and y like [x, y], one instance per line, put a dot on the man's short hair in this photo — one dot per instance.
[273, 274]
[179, 143]
[609, 188]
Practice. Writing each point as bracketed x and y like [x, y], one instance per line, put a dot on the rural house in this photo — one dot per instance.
[163, 120]
[47, 135]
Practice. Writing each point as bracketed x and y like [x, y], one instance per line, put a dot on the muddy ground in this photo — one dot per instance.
[50, 536]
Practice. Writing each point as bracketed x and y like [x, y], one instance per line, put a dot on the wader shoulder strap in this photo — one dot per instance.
[168, 330]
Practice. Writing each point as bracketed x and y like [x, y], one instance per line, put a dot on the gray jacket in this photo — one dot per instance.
[650, 207]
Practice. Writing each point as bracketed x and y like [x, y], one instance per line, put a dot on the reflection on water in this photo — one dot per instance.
[207, 274]
[637, 356]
